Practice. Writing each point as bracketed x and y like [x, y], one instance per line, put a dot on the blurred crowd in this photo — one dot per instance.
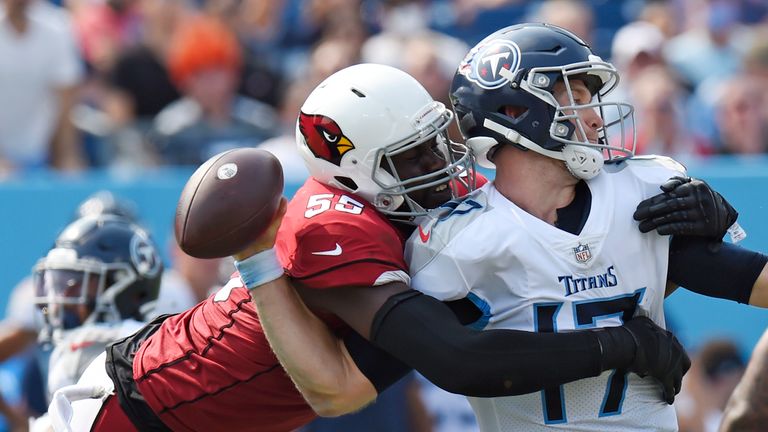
[136, 83]
[131, 84]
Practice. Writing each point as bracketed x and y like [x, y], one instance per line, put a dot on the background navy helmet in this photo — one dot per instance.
[105, 202]
[518, 66]
[102, 268]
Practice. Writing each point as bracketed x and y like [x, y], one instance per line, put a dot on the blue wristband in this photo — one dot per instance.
[260, 268]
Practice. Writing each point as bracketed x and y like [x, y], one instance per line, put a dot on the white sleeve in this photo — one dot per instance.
[441, 278]
[654, 169]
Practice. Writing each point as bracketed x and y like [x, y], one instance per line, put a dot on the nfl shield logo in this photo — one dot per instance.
[582, 253]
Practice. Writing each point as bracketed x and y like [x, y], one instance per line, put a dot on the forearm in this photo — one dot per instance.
[723, 270]
[759, 296]
[422, 332]
[747, 409]
[317, 361]
[14, 340]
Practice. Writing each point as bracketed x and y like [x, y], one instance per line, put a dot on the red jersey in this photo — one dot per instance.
[211, 367]
[330, 238]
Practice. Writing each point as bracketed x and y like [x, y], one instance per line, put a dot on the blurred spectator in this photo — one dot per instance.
[573, 15]
[715, 372]
[422, 61]
[259, 27]
[407, 43]
[711, 48]
[329, 56]
[204, 62]
[756, 65]
[104, 29]
[636, 46]
[284, 145]
[746, 409]
[39, 73]
[118, 109]
[139, 83]
[662, 14]
[660, 121]
[741, 126]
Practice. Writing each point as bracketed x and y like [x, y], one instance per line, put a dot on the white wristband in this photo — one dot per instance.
[260, 268]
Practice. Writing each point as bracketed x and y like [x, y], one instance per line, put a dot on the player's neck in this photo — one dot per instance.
[535, 183]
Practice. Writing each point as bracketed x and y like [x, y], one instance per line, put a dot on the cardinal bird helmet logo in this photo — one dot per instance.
[324, 137]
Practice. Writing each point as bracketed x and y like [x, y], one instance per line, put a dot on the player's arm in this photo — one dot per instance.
[723, 270]
[698, 217]
[15, 339]
[424, 333]
[318, 362]
[747, 409]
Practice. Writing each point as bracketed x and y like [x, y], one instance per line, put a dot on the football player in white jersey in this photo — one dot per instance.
[551, 245]
[96, 285]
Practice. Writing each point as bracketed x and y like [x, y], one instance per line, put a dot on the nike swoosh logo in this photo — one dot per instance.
[424, 236]
[332, 252]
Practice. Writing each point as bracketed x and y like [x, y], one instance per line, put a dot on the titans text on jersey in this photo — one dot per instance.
[574, 283]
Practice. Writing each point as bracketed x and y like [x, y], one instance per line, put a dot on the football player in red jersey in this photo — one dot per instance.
[375, 144]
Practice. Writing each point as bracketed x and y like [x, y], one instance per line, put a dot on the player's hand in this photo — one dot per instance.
[687, 206]
[658, 354]
[267, 239]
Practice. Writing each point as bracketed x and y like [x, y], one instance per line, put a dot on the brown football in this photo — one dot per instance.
[228, 202]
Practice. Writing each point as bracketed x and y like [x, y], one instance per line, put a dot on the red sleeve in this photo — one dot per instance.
[338, 249]
[480, 179]
[460, 190]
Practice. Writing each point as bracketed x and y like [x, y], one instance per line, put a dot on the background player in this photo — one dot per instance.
[551, 244]
[96, 285]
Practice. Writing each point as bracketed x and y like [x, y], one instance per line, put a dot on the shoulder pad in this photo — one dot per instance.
[657, 161]
[441, 226]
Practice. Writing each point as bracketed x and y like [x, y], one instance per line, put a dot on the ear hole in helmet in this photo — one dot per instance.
[358, 92]
[348, 182]
[513, 111]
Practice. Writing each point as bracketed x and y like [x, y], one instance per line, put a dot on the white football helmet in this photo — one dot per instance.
[358, 118]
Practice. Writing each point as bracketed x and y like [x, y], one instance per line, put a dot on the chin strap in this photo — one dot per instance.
[582, 162]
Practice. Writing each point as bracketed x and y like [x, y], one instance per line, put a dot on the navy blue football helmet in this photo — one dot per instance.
[102, 268]
[518, 66]
[105, 202]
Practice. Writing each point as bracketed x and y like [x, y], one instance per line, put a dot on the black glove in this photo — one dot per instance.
[642, 347]
[689, 207]
[659, 354]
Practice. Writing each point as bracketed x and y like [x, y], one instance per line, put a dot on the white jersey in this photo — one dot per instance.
[79, 346]
[525, 274]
